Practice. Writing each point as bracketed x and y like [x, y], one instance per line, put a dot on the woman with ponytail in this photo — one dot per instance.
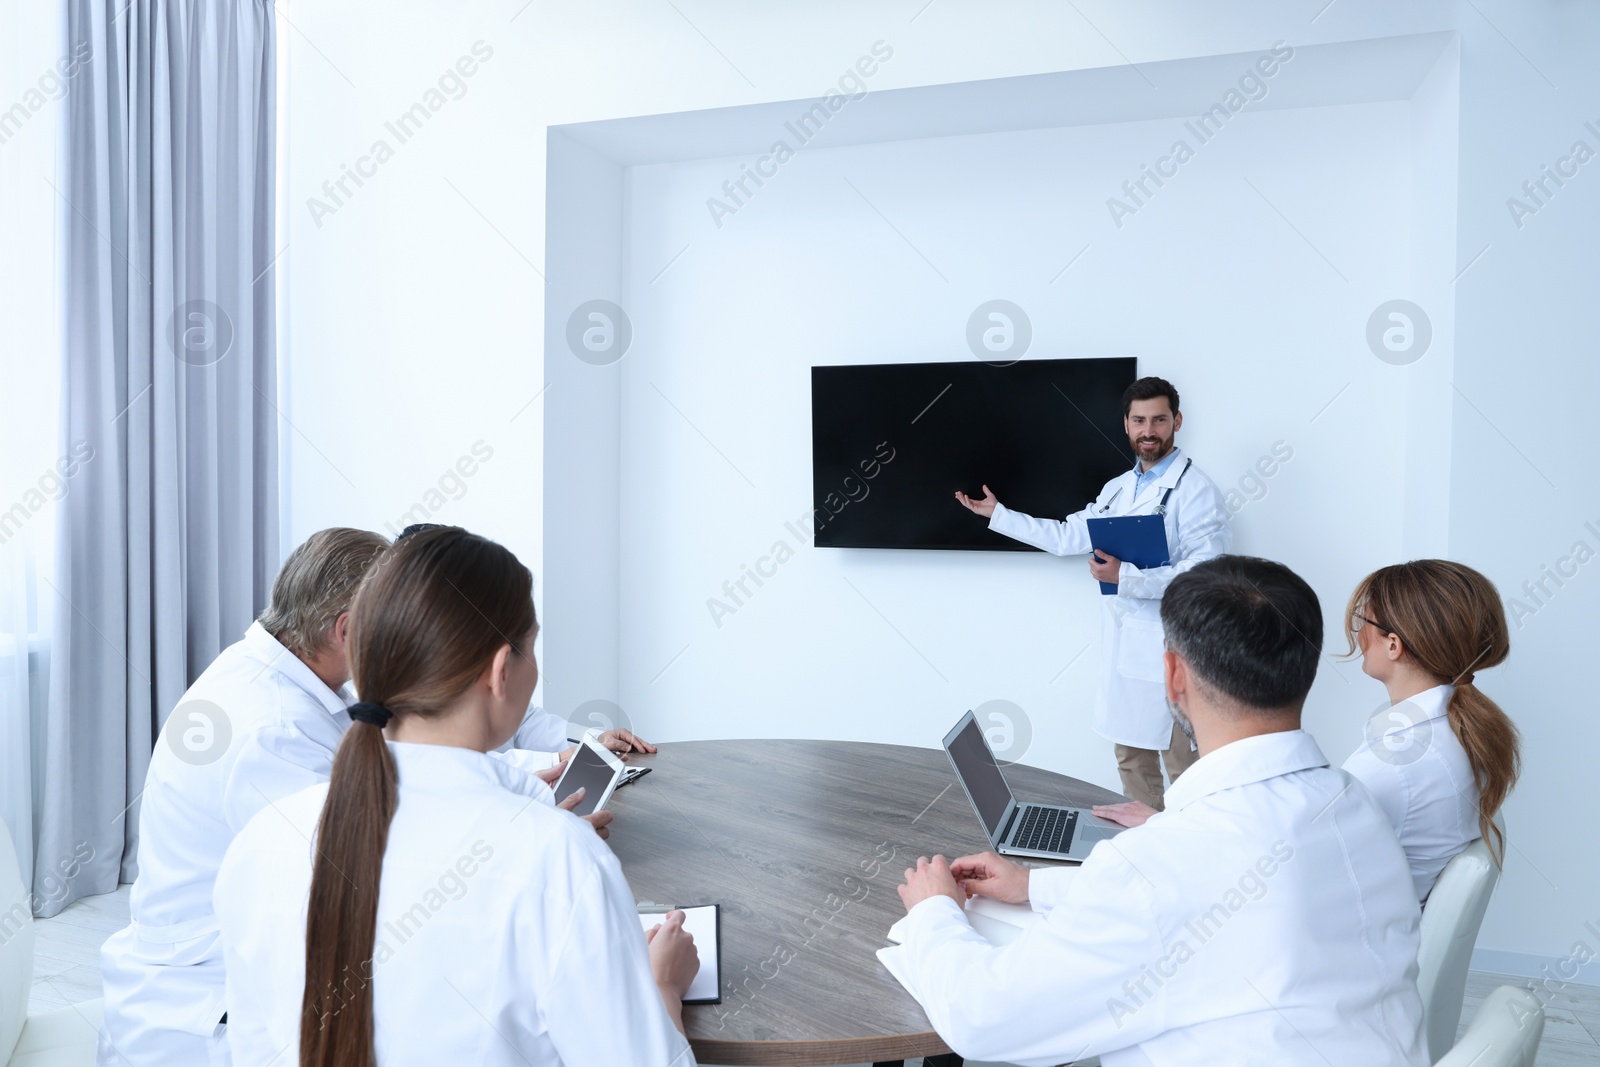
[429, 905]
[1442, 757]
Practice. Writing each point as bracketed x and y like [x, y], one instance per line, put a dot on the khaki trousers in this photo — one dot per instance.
[1140, 768]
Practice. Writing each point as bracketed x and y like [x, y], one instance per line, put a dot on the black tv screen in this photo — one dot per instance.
[892, 442]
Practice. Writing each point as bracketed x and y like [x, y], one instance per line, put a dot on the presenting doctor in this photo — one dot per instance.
[1131, 707]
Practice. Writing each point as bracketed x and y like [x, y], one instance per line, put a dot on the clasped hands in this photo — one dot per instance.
[989, 875]
[982, 875]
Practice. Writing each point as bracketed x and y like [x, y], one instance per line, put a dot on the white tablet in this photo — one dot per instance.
[595, 769]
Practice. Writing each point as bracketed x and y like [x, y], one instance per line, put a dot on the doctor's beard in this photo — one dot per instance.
[1181, 719]
[1150, 448]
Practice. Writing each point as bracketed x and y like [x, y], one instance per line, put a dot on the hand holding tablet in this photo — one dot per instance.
[594, 769]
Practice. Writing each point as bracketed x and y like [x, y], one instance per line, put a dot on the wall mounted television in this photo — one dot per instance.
[892, 442]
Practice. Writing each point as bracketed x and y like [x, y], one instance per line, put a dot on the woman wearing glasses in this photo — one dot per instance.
[1442, 757]
[428, 904]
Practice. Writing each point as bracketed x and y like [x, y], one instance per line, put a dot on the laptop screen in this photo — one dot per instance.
[969, 751]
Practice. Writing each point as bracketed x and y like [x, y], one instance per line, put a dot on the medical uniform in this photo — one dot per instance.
[258, 725]
[1131, 704]
[1415, 766]
[507, 935]
[538, 742]
[1265, 918]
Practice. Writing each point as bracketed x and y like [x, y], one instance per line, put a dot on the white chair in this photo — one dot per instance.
[1504, 1033]
[1450, 923]
[62, 1038]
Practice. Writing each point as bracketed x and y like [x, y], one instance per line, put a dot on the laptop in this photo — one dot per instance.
[1044, 831]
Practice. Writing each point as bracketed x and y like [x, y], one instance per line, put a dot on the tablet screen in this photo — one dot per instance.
[588, 770]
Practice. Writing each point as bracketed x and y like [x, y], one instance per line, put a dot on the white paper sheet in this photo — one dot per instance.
[701, 922]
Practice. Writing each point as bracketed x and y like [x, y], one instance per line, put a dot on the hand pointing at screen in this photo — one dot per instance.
[984, 507]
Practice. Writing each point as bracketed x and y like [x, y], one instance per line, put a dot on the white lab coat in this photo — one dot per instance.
[507, 935]
[1131, 704]
[1265, 918]
[541, 739]
[1422, 779]
[162, 973]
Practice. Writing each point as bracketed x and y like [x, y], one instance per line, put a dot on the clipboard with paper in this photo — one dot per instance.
[704, 921]
[1137, 539]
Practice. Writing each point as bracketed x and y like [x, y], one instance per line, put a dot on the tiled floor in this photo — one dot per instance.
[1571, 1019]
[66, 970]
[66, 950]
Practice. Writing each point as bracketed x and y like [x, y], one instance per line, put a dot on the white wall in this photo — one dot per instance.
[417, 318]
[583, 432]
[1207, 285]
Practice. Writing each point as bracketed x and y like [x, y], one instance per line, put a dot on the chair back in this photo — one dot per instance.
[16, 946]
[1450, 922]
[1504, 1033]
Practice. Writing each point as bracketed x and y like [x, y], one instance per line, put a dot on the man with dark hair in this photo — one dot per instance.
[416, 528]
[1130, 710]
[1267, 916]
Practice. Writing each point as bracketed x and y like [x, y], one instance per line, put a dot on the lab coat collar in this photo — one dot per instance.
[1169, 477]
[1429, 704]
[274, 656]
[1253, 759]
[449, 767]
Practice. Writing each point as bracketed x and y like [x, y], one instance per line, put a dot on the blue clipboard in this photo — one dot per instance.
[1137, 539]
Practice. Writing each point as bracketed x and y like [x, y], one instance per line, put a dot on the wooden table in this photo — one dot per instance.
[803, 844]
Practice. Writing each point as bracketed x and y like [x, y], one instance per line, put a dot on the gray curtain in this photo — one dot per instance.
[168, 541]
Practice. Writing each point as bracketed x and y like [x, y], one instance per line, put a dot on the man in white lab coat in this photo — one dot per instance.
[1266, 917]
[1130, 708]
[262, 722]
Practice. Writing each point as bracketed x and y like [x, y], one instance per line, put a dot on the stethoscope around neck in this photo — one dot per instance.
[1161, 505]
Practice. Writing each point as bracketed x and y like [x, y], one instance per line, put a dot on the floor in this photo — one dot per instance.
[66, 970]
[66, 950]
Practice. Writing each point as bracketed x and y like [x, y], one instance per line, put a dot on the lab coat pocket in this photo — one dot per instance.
[1139, 645]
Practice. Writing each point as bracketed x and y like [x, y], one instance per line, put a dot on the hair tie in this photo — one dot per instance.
[367, 711]
[1465, 679]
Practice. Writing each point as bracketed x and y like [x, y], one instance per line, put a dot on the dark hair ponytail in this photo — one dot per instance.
[428, 620]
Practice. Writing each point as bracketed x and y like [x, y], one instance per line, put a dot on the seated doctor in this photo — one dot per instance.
[1442, 757]
[261, 722]
[428, 904]
[1265, 917]
[540, 730]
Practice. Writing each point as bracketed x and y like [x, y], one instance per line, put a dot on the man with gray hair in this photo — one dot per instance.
[262, 722]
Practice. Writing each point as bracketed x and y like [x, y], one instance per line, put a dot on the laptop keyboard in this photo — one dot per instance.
[1045, 829]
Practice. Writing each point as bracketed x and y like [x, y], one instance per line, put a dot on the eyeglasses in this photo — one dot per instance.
[1380, 627]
